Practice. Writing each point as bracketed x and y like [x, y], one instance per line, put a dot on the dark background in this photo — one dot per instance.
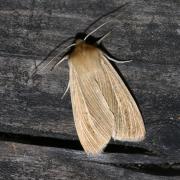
[38, 139]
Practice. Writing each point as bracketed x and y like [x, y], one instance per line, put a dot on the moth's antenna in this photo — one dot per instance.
[97, 29]
[59, 45]
[55, 58]
[106, 15]
[103, 16]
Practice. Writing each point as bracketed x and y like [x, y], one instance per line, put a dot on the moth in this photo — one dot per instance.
[103, 107]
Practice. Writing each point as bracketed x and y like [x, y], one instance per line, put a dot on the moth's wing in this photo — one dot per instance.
[93, 119]
[129, 125]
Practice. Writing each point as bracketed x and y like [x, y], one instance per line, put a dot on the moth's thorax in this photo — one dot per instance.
[82, 49]
[85, 55]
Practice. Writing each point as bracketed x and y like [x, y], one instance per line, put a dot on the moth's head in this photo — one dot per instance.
[82, 46]
[81, 38]
[79, 41]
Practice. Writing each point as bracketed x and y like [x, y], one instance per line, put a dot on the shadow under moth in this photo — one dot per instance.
[103, 108]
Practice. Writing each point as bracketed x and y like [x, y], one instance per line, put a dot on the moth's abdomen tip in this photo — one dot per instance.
[93, 153]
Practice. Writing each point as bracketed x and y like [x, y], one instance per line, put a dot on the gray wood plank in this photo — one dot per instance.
[147, 32]
[18, 161]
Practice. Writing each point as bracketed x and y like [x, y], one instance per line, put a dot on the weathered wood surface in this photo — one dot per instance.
[19, 161]
[31, 112]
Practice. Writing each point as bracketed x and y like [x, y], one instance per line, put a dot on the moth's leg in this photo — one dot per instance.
[102, 38]
[60, 61]
[68, 86]
[96, 29]
[110, 58]
[115, 60]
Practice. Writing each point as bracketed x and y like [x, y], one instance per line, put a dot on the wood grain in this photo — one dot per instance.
[31, 111]
[18, 161]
